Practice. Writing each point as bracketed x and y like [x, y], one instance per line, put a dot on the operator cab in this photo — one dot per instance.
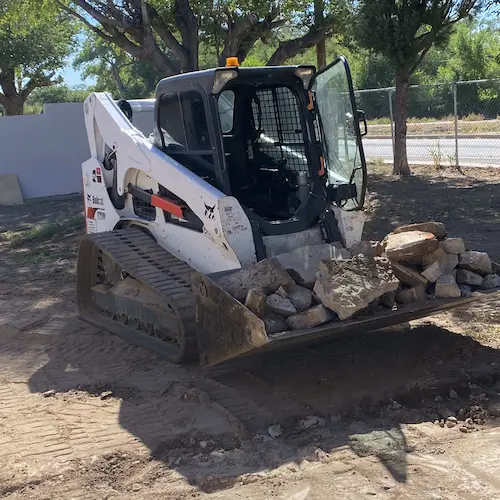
[285, 141]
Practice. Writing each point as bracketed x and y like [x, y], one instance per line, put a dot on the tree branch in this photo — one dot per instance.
[291, 48]
[35, 82]
[78, 16]
[167, 36]
[188, 27]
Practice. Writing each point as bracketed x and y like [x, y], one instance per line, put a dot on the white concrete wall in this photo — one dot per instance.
[46, 151]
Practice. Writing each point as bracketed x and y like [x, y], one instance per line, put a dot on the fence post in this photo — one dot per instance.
[455, 112]
[391, 114]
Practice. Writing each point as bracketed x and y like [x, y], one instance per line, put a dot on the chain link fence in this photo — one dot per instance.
[450, 124]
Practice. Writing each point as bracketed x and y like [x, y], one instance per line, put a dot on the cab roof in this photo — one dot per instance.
[260, 75]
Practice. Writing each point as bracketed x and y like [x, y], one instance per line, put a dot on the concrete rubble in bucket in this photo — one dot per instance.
[316, 284]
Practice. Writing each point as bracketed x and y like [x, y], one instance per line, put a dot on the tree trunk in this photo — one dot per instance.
[13, 105]
[321, 54]
[319, 16]
[401, 167]
[115, 71]
[11, 99]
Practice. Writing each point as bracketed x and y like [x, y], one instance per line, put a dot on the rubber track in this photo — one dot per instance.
[149, 263]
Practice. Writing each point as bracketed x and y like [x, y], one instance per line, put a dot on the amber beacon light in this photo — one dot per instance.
[232, 61]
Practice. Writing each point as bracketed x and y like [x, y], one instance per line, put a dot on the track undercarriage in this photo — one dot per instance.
[130, 285]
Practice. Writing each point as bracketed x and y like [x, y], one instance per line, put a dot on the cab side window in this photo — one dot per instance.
[182, 117]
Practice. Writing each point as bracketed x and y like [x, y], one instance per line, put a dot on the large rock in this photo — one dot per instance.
[439, 255]
[446, 287]
[433, 272]
[465, 277]
[310, 318]
[453, 245]
[303, 263]
[409, 295]
[280, 305]
[347, 286]
[465, 290]
[495, 267]
[449, 264]
[409, 246]
[491, 281]
[275, 323]
[268, 274]
[447, 261]
[299, 296]
[407, 275]
[368, 248]
[436, 228]
[255, 301]
[477, 262]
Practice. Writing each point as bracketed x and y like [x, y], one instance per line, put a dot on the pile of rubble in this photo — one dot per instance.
[316, 284]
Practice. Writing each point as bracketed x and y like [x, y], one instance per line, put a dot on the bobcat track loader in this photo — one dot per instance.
[243, 164]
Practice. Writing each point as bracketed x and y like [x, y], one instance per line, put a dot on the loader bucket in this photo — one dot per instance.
[228, 329]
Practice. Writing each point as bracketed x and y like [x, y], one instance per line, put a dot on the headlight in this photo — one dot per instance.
[222, 76]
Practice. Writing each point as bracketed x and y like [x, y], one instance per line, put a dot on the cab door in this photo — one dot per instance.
[340, 135]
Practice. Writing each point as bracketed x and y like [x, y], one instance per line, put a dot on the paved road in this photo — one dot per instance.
[471, 152]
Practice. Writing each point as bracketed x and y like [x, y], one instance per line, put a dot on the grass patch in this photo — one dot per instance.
[41, 256]
[45, 231]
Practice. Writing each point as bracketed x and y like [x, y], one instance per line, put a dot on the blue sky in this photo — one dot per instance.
[73, 77]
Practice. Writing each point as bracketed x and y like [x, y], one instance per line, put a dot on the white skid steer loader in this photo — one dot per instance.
[243, 164]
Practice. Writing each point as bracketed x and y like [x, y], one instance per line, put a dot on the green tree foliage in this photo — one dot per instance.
[405, 32]
[183, 35]
[34, 44]
[114, 70]
[54, 94]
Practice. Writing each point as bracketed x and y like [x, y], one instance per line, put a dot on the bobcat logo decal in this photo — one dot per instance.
[209, 211]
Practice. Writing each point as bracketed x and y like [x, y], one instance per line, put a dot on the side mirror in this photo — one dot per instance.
[362, 119]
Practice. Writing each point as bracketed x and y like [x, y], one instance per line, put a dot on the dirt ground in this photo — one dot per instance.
[83, 415]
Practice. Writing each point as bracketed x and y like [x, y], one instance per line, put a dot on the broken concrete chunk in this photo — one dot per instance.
[369, 249]
[446, 287]
[267, 274]
[439, 255]
[433, 272]
[465, 277]
[491, 281]
[315, 316]
[275, 323]
[465, 290]
[407, 275]
[236, 284]
[449, 263]
[346, 286]
[409, 246]
[303, 263]
[255, 301]
[280, 305]
[453, 245]
[299, 296]
[409, 295]
[436, 228]
[477, 262]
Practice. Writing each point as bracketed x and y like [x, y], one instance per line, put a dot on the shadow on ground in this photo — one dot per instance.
[351, 384]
